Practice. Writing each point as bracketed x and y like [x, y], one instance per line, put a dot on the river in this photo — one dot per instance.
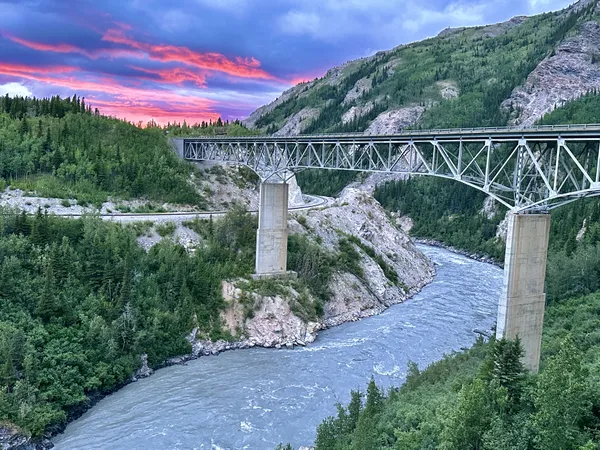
[256, 398]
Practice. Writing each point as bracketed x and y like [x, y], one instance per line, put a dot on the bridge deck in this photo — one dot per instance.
[497, 133]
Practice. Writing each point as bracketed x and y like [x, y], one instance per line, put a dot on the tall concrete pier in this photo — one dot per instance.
[521, 306]
[272, 234]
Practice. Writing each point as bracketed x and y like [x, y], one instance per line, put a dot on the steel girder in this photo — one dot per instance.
[525, 171]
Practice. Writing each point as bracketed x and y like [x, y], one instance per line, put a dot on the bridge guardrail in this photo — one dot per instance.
[410, 132]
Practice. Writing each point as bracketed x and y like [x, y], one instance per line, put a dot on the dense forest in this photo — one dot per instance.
[217, 128]
[80, 301]
[59, 148]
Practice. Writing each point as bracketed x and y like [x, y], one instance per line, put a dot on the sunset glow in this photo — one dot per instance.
[199, 59]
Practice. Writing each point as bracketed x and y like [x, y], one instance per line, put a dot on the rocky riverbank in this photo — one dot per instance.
[12, 438]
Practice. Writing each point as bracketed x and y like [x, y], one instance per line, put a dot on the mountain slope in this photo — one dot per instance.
[511, 72]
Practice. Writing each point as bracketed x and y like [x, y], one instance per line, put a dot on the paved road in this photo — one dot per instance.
[315, 201]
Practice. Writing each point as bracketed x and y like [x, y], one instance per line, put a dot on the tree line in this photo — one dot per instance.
[59, 149]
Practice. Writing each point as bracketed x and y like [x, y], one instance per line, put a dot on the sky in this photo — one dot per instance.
[196, 60]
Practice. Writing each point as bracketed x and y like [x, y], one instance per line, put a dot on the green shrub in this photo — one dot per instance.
[166, 229]
[302, 221]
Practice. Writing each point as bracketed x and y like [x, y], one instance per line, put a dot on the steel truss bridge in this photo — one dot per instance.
[533, 169]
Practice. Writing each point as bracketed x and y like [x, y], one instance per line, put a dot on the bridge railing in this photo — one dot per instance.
[416, 132]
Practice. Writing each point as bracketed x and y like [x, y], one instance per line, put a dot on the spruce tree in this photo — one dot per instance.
[47, 306]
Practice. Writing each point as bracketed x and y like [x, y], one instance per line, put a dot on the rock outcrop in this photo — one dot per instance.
[567, 75]
[271, 320]
[266, 320]
[492, 30]
[448, 89]
[360, 87]
[250, 122]
[144, 371]
[357, 111]
[391, 122]
[11, 438]
[225, 185]
[298, 122]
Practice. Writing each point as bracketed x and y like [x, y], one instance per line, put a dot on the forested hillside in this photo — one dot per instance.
[80, 301]
[210, 128]
[59, 148]
[461, 78]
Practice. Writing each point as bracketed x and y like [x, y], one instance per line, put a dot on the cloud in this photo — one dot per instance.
[68, 48]
[336, 20]
[22, 70]
[537, 6]
[46, 47]
[14, 89]
[107, 85]
[454, 14]
[160, 113]
[175, 75]
[301, 22]
[387, 23]
[239, 67]
[233, 6]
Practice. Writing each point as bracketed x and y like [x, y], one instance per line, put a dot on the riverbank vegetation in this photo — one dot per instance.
[80, 301]
[482, 399]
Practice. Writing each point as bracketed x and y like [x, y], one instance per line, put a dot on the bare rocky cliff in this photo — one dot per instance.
[273, 320]
[571, 72]
[225, 185]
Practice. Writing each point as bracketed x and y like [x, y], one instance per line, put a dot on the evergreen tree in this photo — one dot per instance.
[7, 370]
[47, 307]
[562, 401]
[367, 434]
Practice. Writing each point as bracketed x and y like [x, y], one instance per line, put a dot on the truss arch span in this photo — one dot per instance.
[526, 170]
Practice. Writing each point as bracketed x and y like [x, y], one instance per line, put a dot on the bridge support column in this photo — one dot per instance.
[272, 234]
[521, 306]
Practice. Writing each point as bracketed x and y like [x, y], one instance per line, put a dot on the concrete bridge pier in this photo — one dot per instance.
[521, 306]
[272, 234]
